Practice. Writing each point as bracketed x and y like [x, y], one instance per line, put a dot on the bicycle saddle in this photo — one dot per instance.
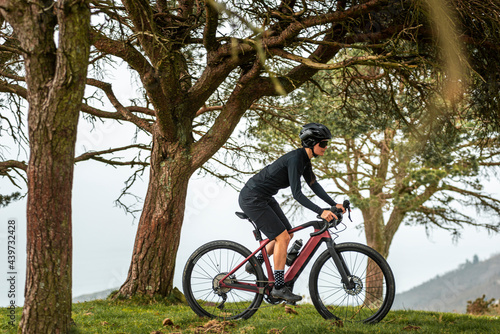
[241, 215]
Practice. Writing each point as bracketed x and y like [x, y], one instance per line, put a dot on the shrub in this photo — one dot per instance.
[482, 307]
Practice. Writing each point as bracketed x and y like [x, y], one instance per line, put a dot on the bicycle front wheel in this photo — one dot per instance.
[203, 273]
[372, 294]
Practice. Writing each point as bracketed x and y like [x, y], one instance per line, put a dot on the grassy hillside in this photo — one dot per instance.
[451, 291]
[114, 317]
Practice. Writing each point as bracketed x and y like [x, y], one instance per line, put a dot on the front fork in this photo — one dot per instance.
[341, 266]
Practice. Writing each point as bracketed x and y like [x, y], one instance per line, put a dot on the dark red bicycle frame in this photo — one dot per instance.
[298, 265]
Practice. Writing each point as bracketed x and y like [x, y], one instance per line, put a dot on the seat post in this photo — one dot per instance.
[256, 232]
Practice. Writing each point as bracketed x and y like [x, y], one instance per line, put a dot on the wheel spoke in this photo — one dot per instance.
[202, 282]
[372, 292]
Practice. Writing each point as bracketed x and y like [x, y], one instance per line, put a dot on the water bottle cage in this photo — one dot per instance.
[293, 252]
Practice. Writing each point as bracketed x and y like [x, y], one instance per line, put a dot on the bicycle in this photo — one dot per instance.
[348, 281]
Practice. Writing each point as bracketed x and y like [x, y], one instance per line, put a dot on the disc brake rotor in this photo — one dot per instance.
[358, 286]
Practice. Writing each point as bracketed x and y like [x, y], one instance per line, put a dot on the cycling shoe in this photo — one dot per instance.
[285, 294]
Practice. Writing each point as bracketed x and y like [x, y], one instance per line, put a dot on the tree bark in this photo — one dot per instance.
[375, 230]
[379, 235]
[158, 234]
[55, 76]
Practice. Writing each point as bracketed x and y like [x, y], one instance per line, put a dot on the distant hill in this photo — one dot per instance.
[93, 296]
[451, 291]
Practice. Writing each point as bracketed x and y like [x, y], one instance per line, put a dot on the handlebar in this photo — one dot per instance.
[325, 227]
[337, 212]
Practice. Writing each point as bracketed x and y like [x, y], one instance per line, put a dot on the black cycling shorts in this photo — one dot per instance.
[264, 211]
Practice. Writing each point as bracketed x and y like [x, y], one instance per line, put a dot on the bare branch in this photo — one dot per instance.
[210, 31]
[485, 199]
[9, 164]
[123, 51]
[238, 102]
[366, 60]
[101, 113]
[126, 114]
[126, 192]
[17, 51]
[207, 109]
[11, 76]
[13, 88]
[16, 166]
[142, 110]
[489, 164]
[97, 155]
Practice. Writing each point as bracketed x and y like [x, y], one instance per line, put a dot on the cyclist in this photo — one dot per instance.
[257, 201]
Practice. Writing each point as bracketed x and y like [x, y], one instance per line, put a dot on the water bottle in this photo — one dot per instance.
[293, 252]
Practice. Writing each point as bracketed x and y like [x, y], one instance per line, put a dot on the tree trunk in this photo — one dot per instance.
[374, 285]
[379, 236]
[157, 240]
[375, 229]
[55, 77]
[375, 238]
[47, 305]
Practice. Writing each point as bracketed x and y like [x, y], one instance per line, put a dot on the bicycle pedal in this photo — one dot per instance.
[272, 300]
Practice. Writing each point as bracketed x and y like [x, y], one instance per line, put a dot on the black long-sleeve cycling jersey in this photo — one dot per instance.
[286, 172]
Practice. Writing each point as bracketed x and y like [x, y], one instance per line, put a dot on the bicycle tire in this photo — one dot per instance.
[371, 298]
[210, 263]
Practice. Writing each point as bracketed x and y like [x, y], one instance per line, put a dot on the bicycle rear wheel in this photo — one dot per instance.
[368, 301]
[201, 281]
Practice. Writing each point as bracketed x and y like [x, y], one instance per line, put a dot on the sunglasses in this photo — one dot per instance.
[323, 143]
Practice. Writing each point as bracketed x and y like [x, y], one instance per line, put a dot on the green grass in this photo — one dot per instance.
[122, 316]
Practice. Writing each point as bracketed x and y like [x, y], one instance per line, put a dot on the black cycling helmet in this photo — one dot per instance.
[313, 133]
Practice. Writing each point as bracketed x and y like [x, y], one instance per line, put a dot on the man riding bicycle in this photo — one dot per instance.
[257, 201]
